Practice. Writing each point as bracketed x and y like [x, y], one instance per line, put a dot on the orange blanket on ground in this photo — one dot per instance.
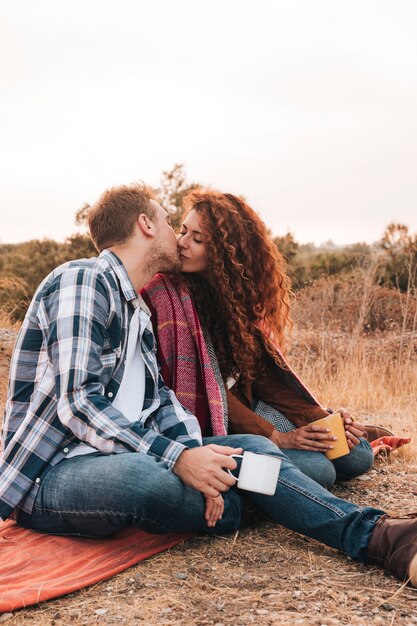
[36, 567]
[388, 443]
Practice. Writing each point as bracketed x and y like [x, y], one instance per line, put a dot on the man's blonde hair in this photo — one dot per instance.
[111, 220]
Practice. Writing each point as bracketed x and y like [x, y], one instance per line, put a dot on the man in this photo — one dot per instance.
[94, 442]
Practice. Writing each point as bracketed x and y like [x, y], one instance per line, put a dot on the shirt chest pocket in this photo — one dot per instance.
[113, 341]
[111, 351]
[111, 354]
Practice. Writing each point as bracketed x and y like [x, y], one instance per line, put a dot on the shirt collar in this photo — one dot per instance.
[119, 269]
[124, 280]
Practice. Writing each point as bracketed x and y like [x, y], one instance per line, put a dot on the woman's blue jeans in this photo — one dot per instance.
[318, 467]
[315, 464]
[98, 494]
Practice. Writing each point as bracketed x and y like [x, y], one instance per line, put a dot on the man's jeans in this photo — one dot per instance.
[97, 494]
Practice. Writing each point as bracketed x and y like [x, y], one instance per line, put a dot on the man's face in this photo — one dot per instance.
[163, 255]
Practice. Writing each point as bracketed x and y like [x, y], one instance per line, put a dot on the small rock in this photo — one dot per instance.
[296, 594]
[365, 477]
[246, 577]
[5, 617]
[387, 607]
[131, 580]
[101, 611]
[262, 611]
[180, 575]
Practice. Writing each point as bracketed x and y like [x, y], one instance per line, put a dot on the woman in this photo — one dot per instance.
[240, 290]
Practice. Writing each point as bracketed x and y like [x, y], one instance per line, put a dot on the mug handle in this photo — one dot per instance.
[236, 456]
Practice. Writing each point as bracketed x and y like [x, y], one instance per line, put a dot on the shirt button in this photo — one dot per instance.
[65, 450]
[38, 480]
[110, 394]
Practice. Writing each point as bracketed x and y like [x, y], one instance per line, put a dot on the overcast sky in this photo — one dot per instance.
[306, 107]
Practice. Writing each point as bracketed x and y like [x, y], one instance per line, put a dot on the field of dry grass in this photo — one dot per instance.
[265, 574]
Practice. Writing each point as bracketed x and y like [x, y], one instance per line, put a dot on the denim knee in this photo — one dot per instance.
[253, 443]
[314, 465]
[359, 461]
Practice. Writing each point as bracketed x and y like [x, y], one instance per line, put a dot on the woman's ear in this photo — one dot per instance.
[146, 225]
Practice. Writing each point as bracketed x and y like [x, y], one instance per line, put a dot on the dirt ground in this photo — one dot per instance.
[261, 575]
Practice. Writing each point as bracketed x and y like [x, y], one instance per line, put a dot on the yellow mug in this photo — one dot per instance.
[335, 424]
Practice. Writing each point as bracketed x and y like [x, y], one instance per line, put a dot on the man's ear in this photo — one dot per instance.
[146, 225]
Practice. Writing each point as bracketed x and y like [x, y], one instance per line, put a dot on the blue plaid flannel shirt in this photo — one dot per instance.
[66, 369]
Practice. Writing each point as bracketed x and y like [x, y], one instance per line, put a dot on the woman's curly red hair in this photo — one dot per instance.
[245, 302]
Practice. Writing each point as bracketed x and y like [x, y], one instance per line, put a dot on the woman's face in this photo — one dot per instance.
[191, 247]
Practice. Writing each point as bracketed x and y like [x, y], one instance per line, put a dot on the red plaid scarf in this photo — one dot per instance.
[186, 366]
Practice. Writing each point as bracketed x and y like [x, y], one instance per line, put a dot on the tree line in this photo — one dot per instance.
[393, 258]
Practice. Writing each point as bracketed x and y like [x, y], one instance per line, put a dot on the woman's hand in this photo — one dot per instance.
[353, 429]
[309, 437]
[214, 510]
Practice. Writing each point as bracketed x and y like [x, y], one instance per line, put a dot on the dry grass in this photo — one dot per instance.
[8, 333]
[266, 574]
[375, 377]
[347, 363]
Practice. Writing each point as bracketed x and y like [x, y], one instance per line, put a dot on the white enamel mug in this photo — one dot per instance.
[258, 472]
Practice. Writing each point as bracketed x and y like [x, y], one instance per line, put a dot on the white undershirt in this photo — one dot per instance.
[131, 394]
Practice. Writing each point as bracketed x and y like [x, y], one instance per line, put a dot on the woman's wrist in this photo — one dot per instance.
[274, 437]
[279, 439]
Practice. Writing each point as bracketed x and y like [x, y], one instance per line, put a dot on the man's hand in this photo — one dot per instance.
[353, 429]
[309, 437]
[203, 468]
[214, 510]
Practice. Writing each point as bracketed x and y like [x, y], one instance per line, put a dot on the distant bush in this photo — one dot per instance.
[14, 298]
[23, 266]
[395, 255]
[354, 303]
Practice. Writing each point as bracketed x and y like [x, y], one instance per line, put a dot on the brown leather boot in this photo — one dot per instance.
[393, 545]
[375, 432]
